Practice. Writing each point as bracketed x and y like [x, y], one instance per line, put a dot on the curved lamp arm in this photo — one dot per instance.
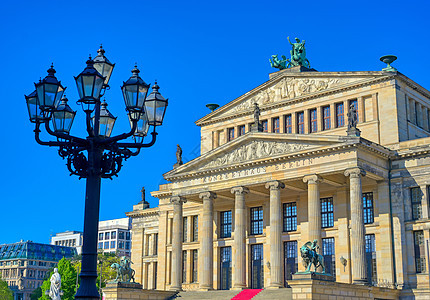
[121, 136]
[43, 143]
[69, 137]
[140, 145]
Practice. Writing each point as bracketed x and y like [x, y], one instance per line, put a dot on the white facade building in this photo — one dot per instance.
[115, 235]
[68, 239]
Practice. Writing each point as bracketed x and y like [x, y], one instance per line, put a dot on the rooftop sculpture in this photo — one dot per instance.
[298, 56]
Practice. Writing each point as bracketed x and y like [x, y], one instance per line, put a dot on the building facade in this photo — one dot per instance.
[236, 216]
[25, 265]
[115, 236]
[69, 239]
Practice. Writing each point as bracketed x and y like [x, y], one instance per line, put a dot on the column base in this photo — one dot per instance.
[175, 288]
[239, 287]
[205, 288]
[275, 286]
[360, 281]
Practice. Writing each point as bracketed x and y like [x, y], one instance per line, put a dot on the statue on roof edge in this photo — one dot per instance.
[298, 57]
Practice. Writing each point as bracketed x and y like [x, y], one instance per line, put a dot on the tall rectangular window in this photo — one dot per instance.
[107, 234]
[301, 122]
[195, 266]
[100, 236]
[368, 208]
[420, 256]
[275, 125]
[113, 235]
[230, 133]
[241, 130]
[128, 235]
[326, 118]
[416, 197]
[184, 266]
[121, 235]
[156, 244]
[313, 120]
[112, 244]
[371, 258]
[354, 103]
[185, 229]
[288, 124]
[195, 228]
[257, 220]
[340, 115]
[100, 245]
[329, 256]
[225, 224]
[290, 216]
[265, 125]
[290, 260]
[327, 219]
[106, 245]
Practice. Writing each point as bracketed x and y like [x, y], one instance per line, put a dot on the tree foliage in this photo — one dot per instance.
[70, 268]
[5, 292]
[36, 294]
[68, 280]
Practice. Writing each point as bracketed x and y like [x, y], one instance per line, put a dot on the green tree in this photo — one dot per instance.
[68, 280]
[5, 292]
[36, 294]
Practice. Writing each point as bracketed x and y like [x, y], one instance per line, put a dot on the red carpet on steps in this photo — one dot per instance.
[246, 294]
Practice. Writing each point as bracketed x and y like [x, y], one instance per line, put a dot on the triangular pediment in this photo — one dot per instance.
[254, 147]
[285, 87]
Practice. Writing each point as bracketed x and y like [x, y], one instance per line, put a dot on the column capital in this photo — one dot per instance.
[354, 172]
[312, 179]
[275, 185]
[177, 200]
[207, 195]
[239, 190]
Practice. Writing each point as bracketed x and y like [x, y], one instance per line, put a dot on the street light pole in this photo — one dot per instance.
[104, 154]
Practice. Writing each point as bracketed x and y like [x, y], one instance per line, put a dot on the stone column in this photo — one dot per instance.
[206, 259]
[239, 245]
[176, 284]
[314, 208]
[359, 267]
[275, 233]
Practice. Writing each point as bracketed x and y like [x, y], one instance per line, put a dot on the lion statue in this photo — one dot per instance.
[310, 256]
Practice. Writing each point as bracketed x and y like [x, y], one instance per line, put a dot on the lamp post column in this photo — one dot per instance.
[207, 258]
[359, 271]
[177, 243]
[88, 288]
[275, 233]
[239, 262]
[314, 208]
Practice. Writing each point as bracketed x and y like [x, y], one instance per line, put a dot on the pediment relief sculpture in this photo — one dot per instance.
[255, 150]
[289, 88]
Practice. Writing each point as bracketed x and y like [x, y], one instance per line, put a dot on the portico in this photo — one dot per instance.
[269, 184]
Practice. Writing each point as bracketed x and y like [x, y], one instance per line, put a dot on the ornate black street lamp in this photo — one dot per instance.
[98, 155]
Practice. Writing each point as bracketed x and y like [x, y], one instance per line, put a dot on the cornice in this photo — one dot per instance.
[360, 143]
[142, 213]
[206, 120]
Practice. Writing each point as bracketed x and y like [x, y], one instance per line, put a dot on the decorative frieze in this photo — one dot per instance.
[289, 88]
[256, 150]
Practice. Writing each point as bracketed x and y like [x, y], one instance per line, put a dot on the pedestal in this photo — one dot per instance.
[128, 290]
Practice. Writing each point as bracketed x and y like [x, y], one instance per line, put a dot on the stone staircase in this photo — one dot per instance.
[278, 294]
[199, 295]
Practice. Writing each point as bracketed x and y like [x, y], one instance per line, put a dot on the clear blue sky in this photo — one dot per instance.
[199, 51]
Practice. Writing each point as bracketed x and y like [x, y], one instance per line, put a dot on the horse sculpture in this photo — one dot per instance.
[311, 257]
[123, 272]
